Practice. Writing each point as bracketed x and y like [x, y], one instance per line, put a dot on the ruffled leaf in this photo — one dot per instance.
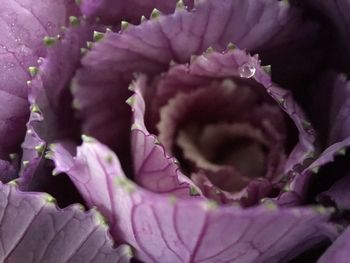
[163, 228]
[114, 11]
[24, 27]
[149, 48]
[153, 169]
[238, 64]
[52, 116]
[34, 229]
[182, 83]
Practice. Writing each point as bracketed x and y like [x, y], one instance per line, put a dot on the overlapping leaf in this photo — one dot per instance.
[153, 169]
[164, 228]
[114, 11]
[33, 229]
[148, 48]
[23, 28]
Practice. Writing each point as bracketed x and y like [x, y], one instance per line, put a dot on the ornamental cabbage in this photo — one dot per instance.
[196, 131]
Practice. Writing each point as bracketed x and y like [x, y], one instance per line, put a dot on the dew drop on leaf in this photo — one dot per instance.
[247, 70]
[40, 60]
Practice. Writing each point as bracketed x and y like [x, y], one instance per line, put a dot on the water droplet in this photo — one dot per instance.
[8, 66]
[50, 25]
[12, 27]
[40, 60]
[247, 70]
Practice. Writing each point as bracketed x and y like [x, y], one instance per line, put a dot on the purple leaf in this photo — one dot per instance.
[24, 27]
[113, 11]
[153, 169]
[164, 228]
[33, 229]
[186, 86]
[231, 64]
[148, 48]
[52, 116]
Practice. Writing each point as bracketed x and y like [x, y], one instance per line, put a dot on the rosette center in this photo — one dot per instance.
[230, 129]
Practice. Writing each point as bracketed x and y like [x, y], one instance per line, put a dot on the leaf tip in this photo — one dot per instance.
[124, 25]
[74, 21]
[98, 36]
[155, 13]
[33, 71]
[50, 41]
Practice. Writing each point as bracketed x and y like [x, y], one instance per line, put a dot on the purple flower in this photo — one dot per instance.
[210, 131]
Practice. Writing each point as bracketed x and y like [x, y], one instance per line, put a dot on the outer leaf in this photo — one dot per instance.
[162, 228]
[52, 116]
[148, 48]
[23, 27]
[34, 230]
[113, 11]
